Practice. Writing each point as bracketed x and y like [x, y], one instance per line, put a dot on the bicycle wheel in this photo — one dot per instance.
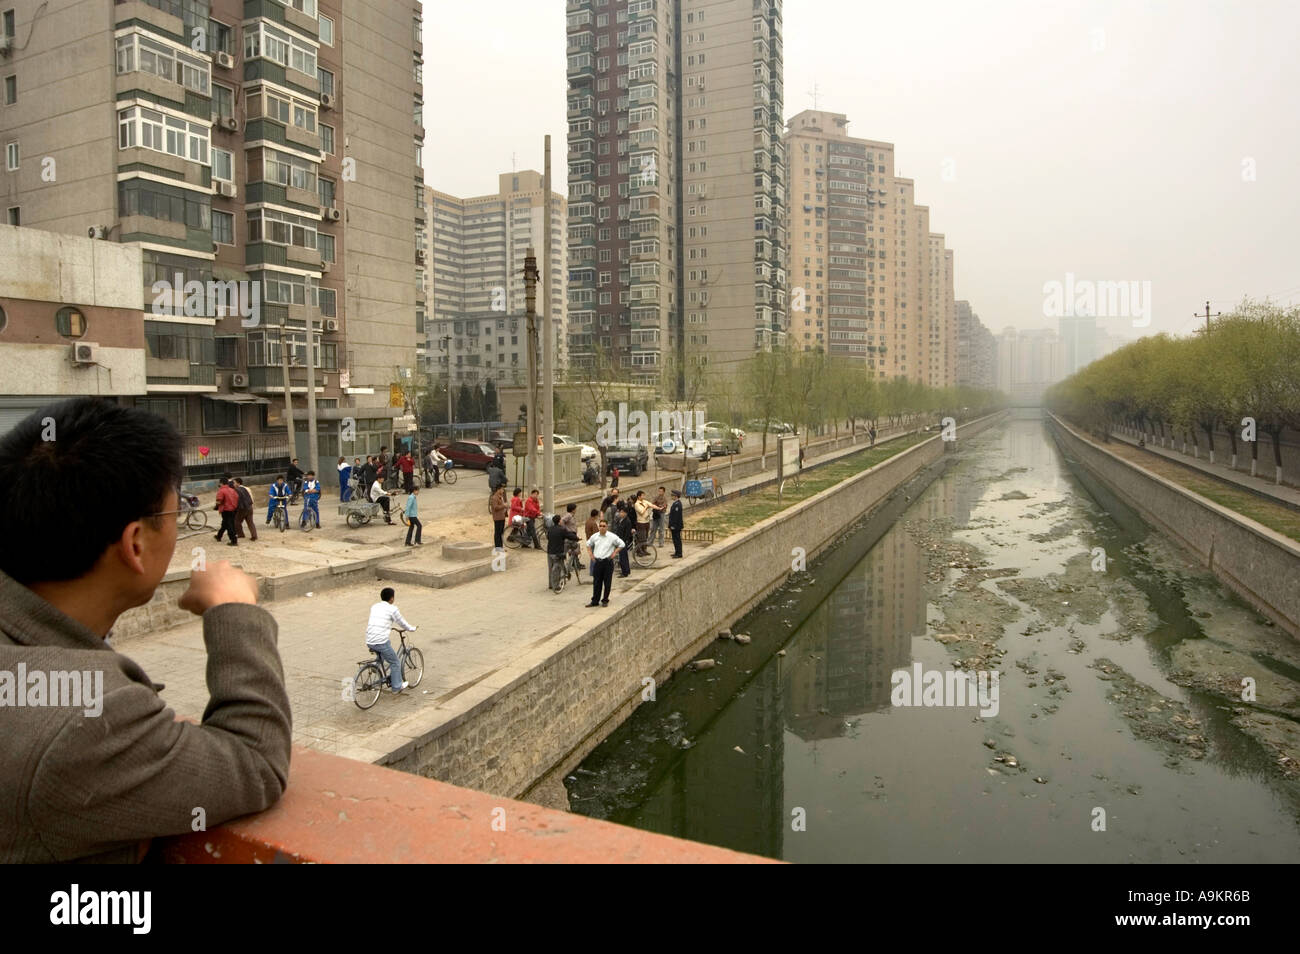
[575, 570]
[559, 575]
[196, 519]
[354, 519]
[413, 666]
[277, 520]
[405, 520]
[307, 522]
[449, 476]
[645, 556]
[513, 540]
[366, 685]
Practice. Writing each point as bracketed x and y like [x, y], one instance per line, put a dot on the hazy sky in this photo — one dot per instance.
[1118, 141]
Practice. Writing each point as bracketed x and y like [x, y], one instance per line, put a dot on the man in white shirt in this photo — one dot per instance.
[385, 617]
[602, 547]
[380, 496]
[433, 462]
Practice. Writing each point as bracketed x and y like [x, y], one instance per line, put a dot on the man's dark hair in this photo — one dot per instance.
[295, 460]
[556, 520]
[571, 507]
[224, 481]
[594, 513]
[279, 476]
[240, 481]
[387, 593]
[310, 473]
[518, 491]
[134, 451]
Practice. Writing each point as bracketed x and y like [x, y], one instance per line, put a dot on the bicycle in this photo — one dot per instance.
[644, 554]
[303, 522]
[374, 673]
[193, 518]
[280, 516]
[572, 568]
[295, 491]
[448, 472]
[518, 536]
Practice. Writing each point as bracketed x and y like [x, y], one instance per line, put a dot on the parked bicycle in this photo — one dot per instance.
[644, 554]
[374, 674]
[191, 517]
[518, 536]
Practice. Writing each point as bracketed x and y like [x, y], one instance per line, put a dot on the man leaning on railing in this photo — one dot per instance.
[93, 764]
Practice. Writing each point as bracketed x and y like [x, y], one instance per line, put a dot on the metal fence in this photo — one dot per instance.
[238, 453]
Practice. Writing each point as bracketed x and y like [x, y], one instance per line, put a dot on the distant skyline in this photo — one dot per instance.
[1109, 141]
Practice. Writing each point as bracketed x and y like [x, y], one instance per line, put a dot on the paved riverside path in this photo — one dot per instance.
[468, 634]
[1265, 487]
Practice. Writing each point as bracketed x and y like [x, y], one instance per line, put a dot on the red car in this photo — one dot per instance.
[476, 454]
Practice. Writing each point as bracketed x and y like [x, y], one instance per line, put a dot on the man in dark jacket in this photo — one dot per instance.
[244, 514]
[675, 523]
[556, 535]
[227, 505]
[96, 773]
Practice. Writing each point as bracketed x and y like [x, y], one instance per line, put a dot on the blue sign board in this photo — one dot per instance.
[694, 489]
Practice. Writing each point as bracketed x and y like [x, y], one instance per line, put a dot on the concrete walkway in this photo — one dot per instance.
[471, 635]
[1283, 494]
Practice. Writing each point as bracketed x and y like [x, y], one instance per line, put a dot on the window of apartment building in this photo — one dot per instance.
[171, 410]
[227, 351]
[264, 40]
[11, 90]
[326, 80]
[151, 129]
[288, 170]
[70, 323]
[304, 6]
[223, 101]
[13, 215]
[223, 165]
[219, 416]
[327, 144]
[602, 235]
[328, 303]
[289, 289]
[138, 52]
[8, 24]
[11, 156]
[281, 228]
[223, 228]
[327, 30]
[221, 38]
[325, 245]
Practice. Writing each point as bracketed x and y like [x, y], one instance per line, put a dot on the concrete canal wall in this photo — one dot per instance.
[1258, 563]
[533, 721]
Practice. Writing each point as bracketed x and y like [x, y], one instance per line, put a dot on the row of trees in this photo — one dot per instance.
[470, 403]
[1247, 366]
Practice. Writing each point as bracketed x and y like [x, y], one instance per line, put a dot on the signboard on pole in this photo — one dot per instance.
[395, 396]
[787, 457]
[521, 444]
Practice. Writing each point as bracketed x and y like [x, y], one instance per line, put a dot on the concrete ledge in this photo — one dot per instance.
[547, 708]
[437, 581]
[1258, 563]
[466, 550]
[340, 811]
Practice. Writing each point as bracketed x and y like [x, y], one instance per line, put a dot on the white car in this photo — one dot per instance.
[698, 448]
[587, 453]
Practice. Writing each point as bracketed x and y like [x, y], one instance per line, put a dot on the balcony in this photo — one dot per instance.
[177, 374]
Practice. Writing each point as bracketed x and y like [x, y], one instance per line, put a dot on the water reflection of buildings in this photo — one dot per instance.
[850, 646]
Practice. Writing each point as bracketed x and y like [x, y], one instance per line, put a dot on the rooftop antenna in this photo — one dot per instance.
[814, 93]
[514, 167]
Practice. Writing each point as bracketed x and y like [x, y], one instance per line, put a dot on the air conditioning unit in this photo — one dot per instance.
[325, 268]
[332, 215]
[326, 101]
[238, 380]
[97, 231]
[85, 352]
[5, 42]
[230, 124]
[331, 324]
[419, 256]
[223, 60]
[227, 189]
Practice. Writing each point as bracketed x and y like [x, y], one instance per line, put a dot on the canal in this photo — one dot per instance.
[1114, 733]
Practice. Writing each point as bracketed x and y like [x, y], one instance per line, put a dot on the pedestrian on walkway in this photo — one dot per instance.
[641, 512]
[345, 476]
[609, 507]
[279, 491]
[244, 513]
[406, 464]
[496, 474]
[295, 478]
[622, 529]
[613, 477]
[872, 432]
[601, 549]
[517, 510]
[499, 509]
[227, 504]
[533, 510]
[570, 521]
[380, 496]
[675, 523]
[355, 486]
[412, 512]
[310, 500]
[368, 474]
[558, 539]
[658, 515]
[592, 525]
[384, 618]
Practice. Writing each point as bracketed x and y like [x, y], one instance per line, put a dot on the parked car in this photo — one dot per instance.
[476, 454]
[721, 440]
[699, 447]
[630, 459]
[658, 437]
[735, 432]
[773, 427]
[502, 439]
[588, 452]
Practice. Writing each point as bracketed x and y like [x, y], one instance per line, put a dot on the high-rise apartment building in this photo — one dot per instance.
[477, 328]
[271, 144]
[1028, 362]
[975, 349]
[676, 183]
[1078, 340]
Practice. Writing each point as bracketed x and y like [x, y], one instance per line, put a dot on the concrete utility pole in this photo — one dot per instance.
[1208, 316]
[548, 348]
[288, 396]
[445, 342]
[530, 336]
[312, 445]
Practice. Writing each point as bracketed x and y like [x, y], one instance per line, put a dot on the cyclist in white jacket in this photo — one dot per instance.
[385, 617]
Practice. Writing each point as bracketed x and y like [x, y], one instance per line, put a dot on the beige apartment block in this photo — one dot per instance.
[477, 324]
[676, 184]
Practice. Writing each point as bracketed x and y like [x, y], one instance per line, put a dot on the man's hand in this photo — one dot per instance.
[220, 583]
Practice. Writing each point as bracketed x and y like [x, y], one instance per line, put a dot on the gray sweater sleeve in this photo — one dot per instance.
[135, 772]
